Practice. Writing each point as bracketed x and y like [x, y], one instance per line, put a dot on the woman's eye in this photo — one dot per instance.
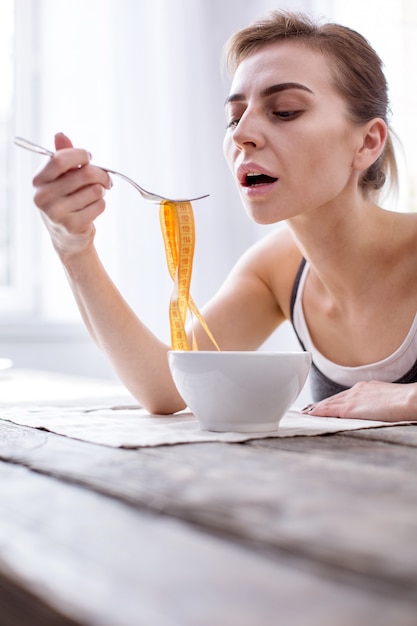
[286, 115]
[233, 123]
[282, 115]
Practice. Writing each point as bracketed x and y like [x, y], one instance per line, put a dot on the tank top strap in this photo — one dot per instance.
[295, 287]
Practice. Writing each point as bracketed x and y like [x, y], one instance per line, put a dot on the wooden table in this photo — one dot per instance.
[302, 531]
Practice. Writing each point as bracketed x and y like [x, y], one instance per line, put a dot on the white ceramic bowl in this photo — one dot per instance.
[239, 391]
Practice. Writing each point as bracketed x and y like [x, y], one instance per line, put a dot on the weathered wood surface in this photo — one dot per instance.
[341, 508]
[403, 435]
[375, 447]
[20, 607]
[104, 563]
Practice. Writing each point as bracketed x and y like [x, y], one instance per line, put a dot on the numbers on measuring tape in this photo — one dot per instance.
[177, 226]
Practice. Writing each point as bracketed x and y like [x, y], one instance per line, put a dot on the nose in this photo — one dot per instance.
[247, 133]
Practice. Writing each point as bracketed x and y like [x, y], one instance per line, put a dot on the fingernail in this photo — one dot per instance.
[307, 408]
[110, 181]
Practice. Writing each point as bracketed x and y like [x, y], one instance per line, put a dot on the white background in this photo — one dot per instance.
[140, 85]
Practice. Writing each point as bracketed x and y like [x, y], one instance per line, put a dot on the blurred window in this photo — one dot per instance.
[7, 60]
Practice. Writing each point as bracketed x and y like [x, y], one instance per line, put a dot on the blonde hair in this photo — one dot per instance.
[357, 72]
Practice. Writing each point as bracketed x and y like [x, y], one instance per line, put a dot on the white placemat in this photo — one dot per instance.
[103, 412]
[135, 428]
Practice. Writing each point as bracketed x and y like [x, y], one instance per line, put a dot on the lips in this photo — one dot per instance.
[250, 175]
[253, 179]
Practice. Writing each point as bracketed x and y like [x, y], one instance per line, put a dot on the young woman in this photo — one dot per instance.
[308, 143]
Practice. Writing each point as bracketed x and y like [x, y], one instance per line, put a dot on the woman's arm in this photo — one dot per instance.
[70, 195]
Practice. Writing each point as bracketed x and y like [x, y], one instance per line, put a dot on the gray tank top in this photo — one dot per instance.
[322, 386]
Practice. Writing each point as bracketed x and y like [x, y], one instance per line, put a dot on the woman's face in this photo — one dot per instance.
[289, 142]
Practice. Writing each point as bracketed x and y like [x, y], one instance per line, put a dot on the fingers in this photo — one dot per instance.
[368, 400]
[51, 190]
[63, 161]
[70, 221]
[67, 172]
[66, 159]
[62, 141]
[70, 194]
[339, 405]
[86, 203]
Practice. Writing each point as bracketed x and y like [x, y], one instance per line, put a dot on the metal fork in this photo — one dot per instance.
[148, 195]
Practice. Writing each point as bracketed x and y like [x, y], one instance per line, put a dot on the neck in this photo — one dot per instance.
[338, 241]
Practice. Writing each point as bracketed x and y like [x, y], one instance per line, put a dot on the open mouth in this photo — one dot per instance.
[254, 180]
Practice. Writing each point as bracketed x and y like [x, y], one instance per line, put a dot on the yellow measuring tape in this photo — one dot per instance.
[177, 225]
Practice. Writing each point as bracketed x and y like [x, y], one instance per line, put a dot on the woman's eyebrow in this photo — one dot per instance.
[283, 87]
[269, 91]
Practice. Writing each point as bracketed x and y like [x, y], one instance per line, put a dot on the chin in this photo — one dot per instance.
[262, 217]
[262, 213]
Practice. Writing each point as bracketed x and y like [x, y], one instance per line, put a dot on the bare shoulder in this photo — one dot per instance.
[409, 223]
[255, 298]
[405, 248]
[402, 230]
[274, 260]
